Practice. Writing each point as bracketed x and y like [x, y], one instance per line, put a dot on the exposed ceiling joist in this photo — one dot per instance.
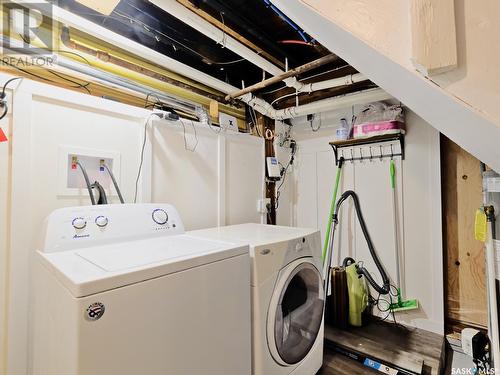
[222, 26]
[194, 20]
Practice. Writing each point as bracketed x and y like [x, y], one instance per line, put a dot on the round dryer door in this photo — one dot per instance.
[296, 312]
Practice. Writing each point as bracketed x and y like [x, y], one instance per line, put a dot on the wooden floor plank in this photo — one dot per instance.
[403, 346]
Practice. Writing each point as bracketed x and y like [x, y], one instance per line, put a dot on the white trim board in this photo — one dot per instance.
[458, 121]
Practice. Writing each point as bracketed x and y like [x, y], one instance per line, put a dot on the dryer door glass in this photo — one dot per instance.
[299, 313]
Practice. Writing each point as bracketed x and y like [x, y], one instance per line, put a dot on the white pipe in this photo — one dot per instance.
[335, 82]
[192, 19]
[315, 107]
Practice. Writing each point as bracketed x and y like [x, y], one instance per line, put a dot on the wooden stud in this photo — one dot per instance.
[434, 44]
[214, 110]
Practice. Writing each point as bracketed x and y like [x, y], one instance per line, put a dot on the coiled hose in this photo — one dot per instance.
[386, 287]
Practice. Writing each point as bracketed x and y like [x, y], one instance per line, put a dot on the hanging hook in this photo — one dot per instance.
[392, 152]
[361, 158]
[352, 157]
[371, 155]
[381, 155]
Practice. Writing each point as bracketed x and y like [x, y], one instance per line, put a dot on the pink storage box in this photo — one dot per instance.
[370, 129]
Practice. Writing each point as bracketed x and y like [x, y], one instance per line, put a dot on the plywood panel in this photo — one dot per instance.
[465, 264]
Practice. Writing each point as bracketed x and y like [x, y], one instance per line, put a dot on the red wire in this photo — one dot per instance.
[301, 42]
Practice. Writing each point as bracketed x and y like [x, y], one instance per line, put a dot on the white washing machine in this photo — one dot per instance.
[122, 290]
[287, 296]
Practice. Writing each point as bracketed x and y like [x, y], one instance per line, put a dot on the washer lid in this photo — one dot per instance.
[95, 269]
[141, 253]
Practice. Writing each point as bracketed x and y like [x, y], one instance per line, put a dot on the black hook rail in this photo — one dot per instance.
[380, 140]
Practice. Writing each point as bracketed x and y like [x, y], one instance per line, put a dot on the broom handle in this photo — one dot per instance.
[332, 210]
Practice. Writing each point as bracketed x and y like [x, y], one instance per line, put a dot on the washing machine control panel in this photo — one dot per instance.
[75, 227]
[160, 216]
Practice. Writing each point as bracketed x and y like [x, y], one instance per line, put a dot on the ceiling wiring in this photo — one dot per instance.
[3, 101]
[77, 85]
[224, 36]
[298, 42]
[285, 18]
[143, 147]
[286, 96]
[158, 102]
[193, 149]
[156, 33]
[293, 146]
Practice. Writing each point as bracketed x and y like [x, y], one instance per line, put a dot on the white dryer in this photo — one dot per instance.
[122, 290]
[287, 296]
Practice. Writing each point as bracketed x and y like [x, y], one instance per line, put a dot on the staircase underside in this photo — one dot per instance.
[466, 126]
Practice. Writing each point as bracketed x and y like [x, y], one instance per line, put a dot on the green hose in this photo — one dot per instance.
[332, 209]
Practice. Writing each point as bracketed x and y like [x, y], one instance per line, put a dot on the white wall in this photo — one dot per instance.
[45, 118]
[5, 178]
[418, 194]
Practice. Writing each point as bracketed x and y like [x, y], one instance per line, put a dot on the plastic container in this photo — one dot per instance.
[342, 132]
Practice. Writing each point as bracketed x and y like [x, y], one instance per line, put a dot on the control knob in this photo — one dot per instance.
[160, 216]
[79, 223]
[101, 221]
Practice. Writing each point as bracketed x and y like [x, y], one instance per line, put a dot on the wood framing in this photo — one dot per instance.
[434, 44]
[465, 280]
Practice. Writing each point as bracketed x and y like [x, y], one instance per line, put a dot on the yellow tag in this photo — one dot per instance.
[480, 226]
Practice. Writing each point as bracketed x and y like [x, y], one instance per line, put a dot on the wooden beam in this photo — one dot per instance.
[434, 44]
[291, 73]
[214, 21]
[264, 123]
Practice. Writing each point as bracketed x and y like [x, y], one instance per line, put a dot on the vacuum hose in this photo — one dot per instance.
[386, 287]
